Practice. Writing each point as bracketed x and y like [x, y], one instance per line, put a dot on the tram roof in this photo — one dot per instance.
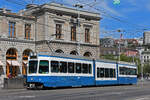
[65, 56]
[83, 57]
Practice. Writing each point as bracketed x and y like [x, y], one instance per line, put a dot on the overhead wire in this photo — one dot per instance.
[115, 18]
[43, 24]
[70, 5]
[15, 2]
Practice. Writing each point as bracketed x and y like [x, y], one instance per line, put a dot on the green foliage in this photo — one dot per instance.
[125, 59]
[109, 57]
[122, 58]
[146, 68]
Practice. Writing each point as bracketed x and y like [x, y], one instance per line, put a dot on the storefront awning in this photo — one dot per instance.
[13, 62]
[25, 62]
[1, 64]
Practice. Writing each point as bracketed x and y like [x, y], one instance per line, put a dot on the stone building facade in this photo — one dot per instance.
[50, 15]
[46, 28]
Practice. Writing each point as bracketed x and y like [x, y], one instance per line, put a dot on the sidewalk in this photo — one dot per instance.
[1, 81]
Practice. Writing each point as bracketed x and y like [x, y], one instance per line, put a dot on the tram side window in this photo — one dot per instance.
[90, 68]
[106, 72]
[63, 67]
[114, 73]
[127, 71]
[85, 68]
[70, 67]
[122, 71]
[98, 72]
[111, 73]
[33, 66]
[44, 67]
[54, 66]
[78, 68]
[133, 71]
[102, 72]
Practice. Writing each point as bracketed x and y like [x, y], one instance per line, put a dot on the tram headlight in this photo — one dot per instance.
[31, 79]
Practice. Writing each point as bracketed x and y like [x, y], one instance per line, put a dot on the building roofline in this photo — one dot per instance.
[15, 15]
[63, 6]
[53, 7]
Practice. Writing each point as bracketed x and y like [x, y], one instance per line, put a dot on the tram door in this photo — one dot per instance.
[12, 71]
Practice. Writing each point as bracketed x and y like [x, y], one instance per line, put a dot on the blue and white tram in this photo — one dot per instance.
[56, 71]
[106, 72]
[127, 73]
[64, 71]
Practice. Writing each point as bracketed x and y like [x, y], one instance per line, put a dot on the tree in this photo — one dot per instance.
[109, 57]
[125, 59]
[146, 68]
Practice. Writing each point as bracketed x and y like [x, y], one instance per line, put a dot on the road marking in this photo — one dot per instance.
[147, 97]
[27, 96]
[143, 98]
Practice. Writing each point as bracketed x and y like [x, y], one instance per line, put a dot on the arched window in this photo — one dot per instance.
[11, 54]
[25, 56]
[59, 51]
[87, 54]
[74, 52]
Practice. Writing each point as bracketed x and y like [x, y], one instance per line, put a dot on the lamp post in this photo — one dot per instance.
[78, 6]
[119, 51]
[141, 66]
[119, 44]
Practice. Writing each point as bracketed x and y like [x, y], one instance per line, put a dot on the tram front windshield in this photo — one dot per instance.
[33, 67]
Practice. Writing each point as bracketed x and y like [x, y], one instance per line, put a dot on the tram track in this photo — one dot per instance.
[73, 92]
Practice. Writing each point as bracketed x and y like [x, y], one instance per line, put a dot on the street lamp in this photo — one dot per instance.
[119, 44]
[78, 6]
[141, 66]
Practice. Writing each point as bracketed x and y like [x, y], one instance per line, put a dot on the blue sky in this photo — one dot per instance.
[130, 16]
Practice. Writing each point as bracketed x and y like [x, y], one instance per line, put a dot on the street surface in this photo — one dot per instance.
[141, 91]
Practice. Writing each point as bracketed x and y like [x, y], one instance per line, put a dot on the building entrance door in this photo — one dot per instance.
[12, 71]
[25, 56]
[12, 64]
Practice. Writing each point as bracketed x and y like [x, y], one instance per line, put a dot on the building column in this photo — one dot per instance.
[46, 26]
[19, 59]
[3, 60]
